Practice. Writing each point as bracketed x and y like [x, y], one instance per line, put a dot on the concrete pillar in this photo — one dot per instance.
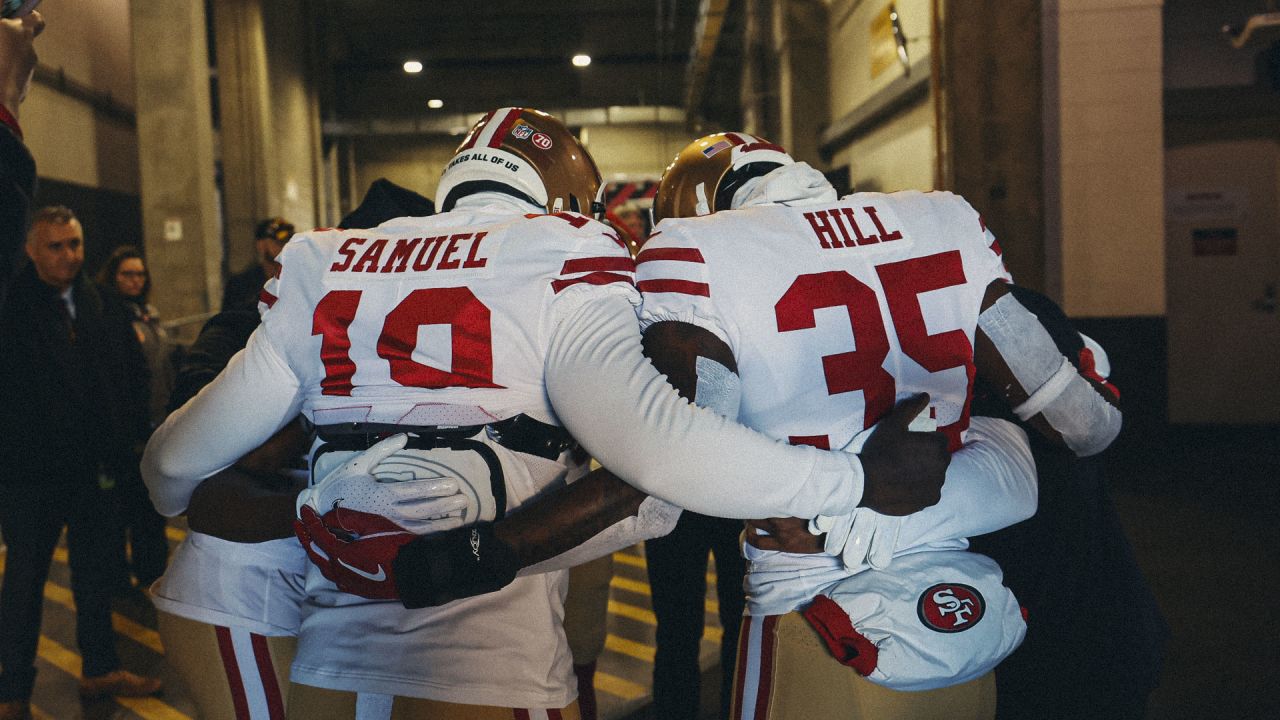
[296, 181]
[176, 160]
[244, 124]
[800, 40]
[991, 77]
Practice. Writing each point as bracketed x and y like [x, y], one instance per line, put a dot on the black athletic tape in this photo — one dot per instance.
[465, 562]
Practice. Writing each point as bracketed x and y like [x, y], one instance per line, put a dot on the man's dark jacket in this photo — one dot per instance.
[17, 185]
[61, 381]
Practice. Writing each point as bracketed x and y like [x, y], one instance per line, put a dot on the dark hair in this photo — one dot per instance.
[50, 215]
[107, 275]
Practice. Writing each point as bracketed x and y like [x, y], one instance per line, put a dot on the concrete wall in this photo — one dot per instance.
[90, 43]
[297, 188]
[1109, 90]
[900, 154]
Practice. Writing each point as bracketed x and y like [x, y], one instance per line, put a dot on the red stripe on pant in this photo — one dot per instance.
[232, 669]
[765, 684]
[267, 673]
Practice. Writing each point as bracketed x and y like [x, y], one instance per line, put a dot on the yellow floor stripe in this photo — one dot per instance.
[633, 612]
[68, 662]
[618, 687]
[629, 559]
[138, 633]
[642, 588]
[646, 616]
[630, 648]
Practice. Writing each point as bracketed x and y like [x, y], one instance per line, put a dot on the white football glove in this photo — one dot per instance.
[863, 537]
[370, 482]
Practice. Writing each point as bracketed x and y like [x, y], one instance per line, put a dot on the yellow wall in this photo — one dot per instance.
[90, 42]
[1112, 157]
[900, 154]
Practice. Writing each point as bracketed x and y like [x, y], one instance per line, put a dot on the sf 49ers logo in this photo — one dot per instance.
[951, 607]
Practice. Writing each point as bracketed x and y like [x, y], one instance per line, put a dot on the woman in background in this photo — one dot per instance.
[125, 285]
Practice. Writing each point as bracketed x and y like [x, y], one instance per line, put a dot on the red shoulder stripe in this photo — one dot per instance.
[496, 140]
[595, 278]
[683, 287]
[267, 298]
[614, 237]
[693, 255]
[594, 264]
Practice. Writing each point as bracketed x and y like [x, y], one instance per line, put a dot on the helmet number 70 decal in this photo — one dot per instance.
[457, 307]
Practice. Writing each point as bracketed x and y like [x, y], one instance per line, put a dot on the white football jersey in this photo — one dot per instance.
[832, 310]
[386, 325]
[441, 320]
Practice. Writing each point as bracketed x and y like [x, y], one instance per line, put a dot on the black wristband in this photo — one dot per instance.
[437, 569]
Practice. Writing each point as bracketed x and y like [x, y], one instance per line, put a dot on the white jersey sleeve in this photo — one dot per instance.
[253, 397]
[626, 414]
[674, 278]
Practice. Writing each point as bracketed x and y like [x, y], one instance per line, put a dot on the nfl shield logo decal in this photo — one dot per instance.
[521, 131]
[950, 607]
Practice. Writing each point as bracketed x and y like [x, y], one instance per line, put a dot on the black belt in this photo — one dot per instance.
[519, 433]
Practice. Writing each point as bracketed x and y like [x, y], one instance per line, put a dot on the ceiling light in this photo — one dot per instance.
[435, 103]
[581, 60]
[413, 67]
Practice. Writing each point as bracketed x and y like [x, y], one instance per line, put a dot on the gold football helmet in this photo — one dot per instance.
[704, 176]
[527, 153]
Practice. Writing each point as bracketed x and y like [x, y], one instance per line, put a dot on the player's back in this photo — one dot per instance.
[436, 320]
[441, 321]
[832, 310]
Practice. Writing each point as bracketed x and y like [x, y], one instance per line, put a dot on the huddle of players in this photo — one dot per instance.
[447, 364]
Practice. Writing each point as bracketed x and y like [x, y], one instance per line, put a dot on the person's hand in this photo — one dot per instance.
[354, 550]
[784, 535]
[903, 470]
[17, 58]
[418, 506]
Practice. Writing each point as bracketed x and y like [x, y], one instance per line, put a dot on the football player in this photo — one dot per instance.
[240, 524]
[473, 330]
[806, 316]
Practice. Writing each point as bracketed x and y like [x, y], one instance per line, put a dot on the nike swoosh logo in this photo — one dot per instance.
[374, 577]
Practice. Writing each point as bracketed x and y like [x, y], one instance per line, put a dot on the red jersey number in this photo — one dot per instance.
[469, 326]
[862, 368]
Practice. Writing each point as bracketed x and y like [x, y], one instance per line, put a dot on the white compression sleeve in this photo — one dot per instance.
[991, 484]
[1073, 407]
[655, 518]
[623, 411]
[720, 390]
[253, 397]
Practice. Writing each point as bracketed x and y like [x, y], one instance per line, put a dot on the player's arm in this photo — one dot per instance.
[252, 399]
[1015, 353]
[603, 388]
[252, 501]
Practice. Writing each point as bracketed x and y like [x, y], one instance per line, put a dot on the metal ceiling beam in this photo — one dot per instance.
[706, 35]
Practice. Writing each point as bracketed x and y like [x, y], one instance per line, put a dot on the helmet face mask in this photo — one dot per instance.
[526, 153]
[708, 171]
